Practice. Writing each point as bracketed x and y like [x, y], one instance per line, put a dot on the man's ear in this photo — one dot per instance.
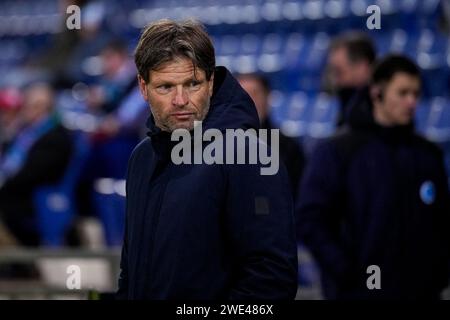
[142, 87]
[211, 85]
[375, 93]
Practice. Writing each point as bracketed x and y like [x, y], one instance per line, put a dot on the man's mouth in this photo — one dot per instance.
[182, 115]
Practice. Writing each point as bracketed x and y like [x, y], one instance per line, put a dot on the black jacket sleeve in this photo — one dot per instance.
[122, 292]
[260, 225]
[442, 224]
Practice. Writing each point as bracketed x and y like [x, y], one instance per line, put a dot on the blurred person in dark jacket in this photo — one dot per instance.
[350, 59]
[376, 194]
[200, 231]
[38, 155]
[291, 153]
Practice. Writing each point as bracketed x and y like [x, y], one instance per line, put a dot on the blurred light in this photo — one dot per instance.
[177, 13]
[297, 104]
[80, 91]
[231, 15]
[313, 9]
[92, 66]
[359, 7]
[211, 15]
[271, 11]
[250, 14]
[276, 99]
[225, 61]
[426, 40]
[427, 61]
[334, 9]
[104, 186]
[292, 11]
[120, 188]
[270, 63]
[57, 202]
[86, 122]
[137, 18]
[193, 13]
[399, 39]
[245, 64]
[292, 128]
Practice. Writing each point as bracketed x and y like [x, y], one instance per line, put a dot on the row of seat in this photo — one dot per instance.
[19, 18]
[250, 12]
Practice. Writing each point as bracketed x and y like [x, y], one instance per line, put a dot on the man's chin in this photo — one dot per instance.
[187, 125]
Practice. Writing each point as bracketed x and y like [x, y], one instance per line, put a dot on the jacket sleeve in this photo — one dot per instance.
[122, 292]
[442, 224]
[318, 212]
[260, 227]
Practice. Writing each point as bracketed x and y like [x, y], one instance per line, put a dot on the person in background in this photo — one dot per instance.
[376, 196]
[350, 60]
[36, 156]
[291, 153]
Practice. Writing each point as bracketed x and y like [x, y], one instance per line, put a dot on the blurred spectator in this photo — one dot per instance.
[291, 153]
[349, 67]
[377, 194]
[72, 57]
[115, 98]
[117, 80]
[36, 156]
[10, 103]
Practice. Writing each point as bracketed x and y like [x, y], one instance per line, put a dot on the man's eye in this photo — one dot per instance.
[194, 84]
[163, 88]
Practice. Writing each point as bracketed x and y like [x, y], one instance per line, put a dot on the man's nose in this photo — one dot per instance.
[181, 97]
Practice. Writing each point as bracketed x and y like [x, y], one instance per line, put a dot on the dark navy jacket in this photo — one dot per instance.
[377, 196]
[207, 231]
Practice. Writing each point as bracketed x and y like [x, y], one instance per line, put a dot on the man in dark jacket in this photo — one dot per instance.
[350, 60]
[374, 207]
[200, 231]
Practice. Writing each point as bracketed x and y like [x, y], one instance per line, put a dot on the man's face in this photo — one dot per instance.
[37, 103]
[176, 95]
[345, 73]
[259, 96]
[399, 99]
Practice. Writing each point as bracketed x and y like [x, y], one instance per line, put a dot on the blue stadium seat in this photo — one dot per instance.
[438, 121]
[109, 201]
[323, 118]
